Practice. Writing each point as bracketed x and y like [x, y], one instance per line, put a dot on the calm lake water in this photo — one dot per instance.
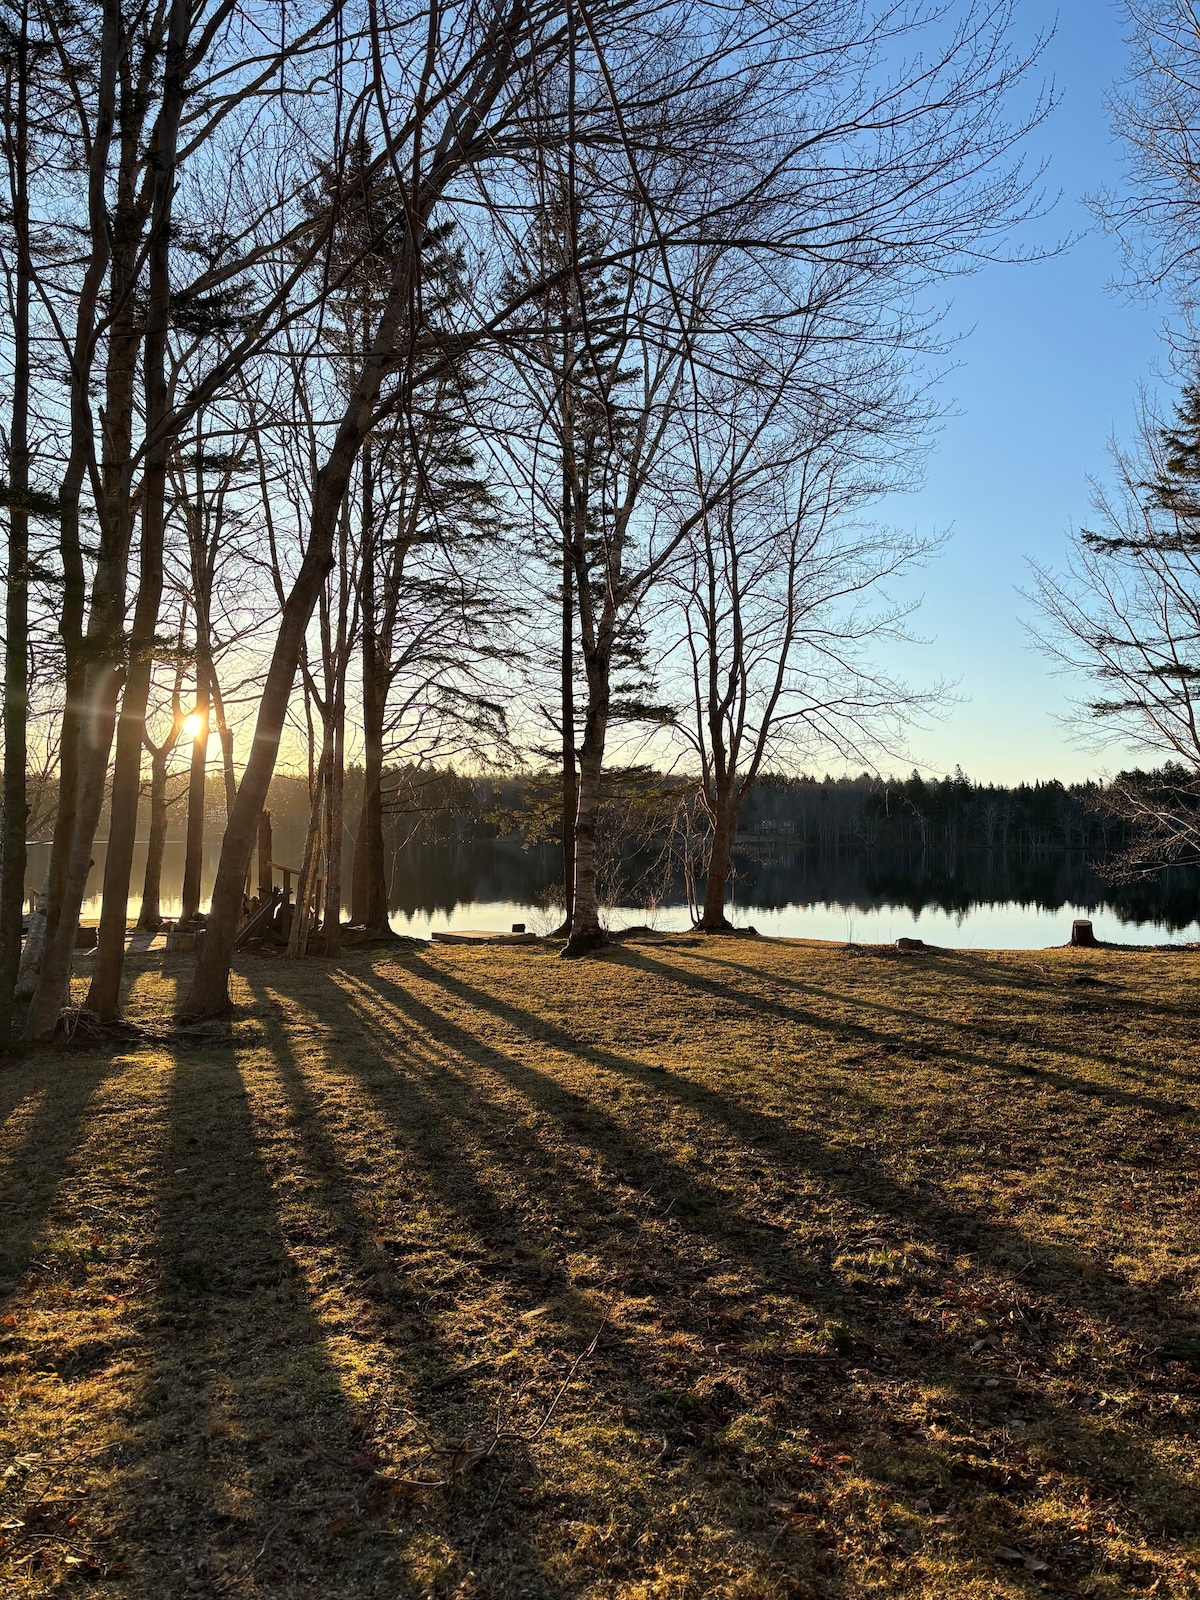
[969, 899]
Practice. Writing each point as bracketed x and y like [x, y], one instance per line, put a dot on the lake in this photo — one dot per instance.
[966, 899]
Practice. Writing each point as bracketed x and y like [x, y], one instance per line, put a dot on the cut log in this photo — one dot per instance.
[482, 936]
[1081, 932]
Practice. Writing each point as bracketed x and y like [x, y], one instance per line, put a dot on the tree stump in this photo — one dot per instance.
[1081, 932]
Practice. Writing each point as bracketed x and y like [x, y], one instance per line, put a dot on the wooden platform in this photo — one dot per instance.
[482, 936]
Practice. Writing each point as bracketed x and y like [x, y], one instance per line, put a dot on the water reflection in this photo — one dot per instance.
[966, 897]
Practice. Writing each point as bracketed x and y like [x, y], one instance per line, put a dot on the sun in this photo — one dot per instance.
[193, 726]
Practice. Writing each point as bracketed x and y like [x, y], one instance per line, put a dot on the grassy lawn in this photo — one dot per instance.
[708, 1268]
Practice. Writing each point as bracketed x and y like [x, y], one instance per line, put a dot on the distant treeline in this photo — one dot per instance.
[430, 806]
[865, 812]
[919, 813]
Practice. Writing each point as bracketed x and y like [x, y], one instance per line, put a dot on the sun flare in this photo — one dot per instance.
[193, 726]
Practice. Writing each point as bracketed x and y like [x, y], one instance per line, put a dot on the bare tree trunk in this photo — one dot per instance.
[208, 995]
[150, 915]
[225, 735]
[90, 718]
[16, 612]
[193, 860]
[570, 788]
[298, 935]
[331, 927]
[724, 820]
[104, 993]
[95, 740]
[369, 889]
[35, 944]
[71, 624]
[586, 933]
[369, 900]
[266, 876]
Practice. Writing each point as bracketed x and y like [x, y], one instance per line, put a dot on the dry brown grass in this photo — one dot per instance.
[892, 1262]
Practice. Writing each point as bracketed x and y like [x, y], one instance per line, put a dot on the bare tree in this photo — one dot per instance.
[150, 915]
[167, 83]
[1155, 112]
[219, 199]
[16, 85]
[774, 600]
[1124, 617]
[883, 189]
[451, 128]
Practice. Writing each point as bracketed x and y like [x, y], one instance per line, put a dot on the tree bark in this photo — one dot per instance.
[95, 741]
[331, 927]
[724, 820]
[95, 671]
[71, 624]
[35, 944]
[369, 903]
[369, 896]
[224, 734]
[309, 861]
[265, 874]
[16, 611]
[104, 993]
[570, 787]
[193, 861]
[150, 916]
[586, 932]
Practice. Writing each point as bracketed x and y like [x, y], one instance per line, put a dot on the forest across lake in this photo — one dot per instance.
[969, 897]
[861, 859]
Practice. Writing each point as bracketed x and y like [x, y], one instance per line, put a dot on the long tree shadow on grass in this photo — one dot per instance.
[958, 1056]
[479, 1270]
[1001, 1035]
[42, 1154]
[1007, 1248]
[1118, 1461]
[238, 1475]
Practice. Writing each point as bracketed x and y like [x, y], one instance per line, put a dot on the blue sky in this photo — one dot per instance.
[1048, 368]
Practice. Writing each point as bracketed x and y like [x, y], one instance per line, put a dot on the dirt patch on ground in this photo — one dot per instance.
[704, 1269]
